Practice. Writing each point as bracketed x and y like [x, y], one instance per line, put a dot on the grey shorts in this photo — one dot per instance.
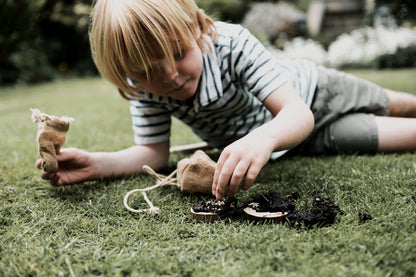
[344, 107]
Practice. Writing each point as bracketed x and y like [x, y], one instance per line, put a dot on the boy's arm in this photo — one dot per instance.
[292, 123]
[130, 161]
[293, 120]
[77, 166]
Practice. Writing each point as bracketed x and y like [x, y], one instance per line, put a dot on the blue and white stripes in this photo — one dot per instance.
[238, 74]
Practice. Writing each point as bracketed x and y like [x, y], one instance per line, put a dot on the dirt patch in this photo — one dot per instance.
[364, 217]
[323, 213]
[221, 207]
[272, 202]
[270, 207]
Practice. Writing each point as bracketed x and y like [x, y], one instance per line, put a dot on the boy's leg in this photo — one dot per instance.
[350, 134]
[364, 133]
[396, 134]
[401, 104]
[353, 115]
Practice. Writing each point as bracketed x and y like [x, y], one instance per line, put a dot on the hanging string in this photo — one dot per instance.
[163, 181]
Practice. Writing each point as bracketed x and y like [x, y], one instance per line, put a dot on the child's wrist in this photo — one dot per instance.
[101, 167]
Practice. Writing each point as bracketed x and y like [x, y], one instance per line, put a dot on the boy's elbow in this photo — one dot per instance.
[160, 155]
[310, 120]
[307, 121]
[161, 163]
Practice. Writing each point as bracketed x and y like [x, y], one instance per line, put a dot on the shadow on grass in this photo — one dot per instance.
[79, 192]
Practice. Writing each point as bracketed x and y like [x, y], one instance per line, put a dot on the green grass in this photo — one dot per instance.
[85, 229]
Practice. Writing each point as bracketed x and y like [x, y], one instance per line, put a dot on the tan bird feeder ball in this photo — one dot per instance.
[50, 137]
[194, 174]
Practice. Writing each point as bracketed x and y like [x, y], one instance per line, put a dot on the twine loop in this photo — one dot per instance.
[163, 180]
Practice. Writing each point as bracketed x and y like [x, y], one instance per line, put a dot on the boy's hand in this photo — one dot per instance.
[77, 166]
[243, 158]
[74, 166]
[293, 121]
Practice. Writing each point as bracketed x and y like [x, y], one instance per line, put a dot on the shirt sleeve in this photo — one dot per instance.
[150, 121]
[254, 66]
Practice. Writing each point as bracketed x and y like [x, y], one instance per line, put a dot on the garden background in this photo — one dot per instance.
[85, 229]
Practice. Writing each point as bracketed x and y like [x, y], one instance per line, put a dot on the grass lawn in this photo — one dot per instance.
[85, 229]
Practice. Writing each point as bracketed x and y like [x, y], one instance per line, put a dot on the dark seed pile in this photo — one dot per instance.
[364, 217]
[323, 213]
[223, 206]
[272, 202]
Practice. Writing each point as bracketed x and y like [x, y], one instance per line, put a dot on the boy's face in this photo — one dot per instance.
[180, 84]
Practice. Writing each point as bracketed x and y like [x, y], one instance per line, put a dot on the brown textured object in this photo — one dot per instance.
[50, 137]
[196, 174]
[213, 209]
[252, 214]
[207, 217]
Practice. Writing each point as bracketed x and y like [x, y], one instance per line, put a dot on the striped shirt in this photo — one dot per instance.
[238, 74]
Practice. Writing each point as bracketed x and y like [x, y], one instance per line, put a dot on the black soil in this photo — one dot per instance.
[323, 213]
[364, 217]
[272, 202]
[221, 207]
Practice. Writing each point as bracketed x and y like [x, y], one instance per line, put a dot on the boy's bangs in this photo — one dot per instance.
[154, 37]
[131, 36]
[145, 53]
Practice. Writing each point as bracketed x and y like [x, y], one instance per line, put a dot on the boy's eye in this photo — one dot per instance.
[135, 82]
[179, 55]
[140, 74]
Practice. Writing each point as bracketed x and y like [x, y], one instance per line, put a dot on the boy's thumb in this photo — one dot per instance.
[60, 156]
[65, 154]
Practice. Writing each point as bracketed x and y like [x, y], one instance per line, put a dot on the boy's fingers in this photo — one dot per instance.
[251, 176]
[55, 180]
[237, 176]
[218, 169]
[246, 184]
[48, 175]
[225, 175]
[66, 154]
[62, 155]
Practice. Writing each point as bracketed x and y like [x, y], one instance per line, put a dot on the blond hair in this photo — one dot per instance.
[130, 35]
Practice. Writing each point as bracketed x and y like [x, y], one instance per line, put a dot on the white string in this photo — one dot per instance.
[152, 210]
[163, 181]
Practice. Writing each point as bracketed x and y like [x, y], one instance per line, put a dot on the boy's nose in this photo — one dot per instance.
[169, 73]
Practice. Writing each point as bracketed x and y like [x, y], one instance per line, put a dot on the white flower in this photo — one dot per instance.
[362, 46]
[301, 48]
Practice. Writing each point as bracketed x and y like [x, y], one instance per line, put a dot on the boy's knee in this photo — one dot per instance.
[354, 133]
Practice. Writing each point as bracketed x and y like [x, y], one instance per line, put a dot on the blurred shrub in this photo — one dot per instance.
[362, 47]
[404, 57]
[275, 22]
[64, 27]
[40, 39]
[367, 47]
[235, 10]
[20, 46]
[225, 10]
[403, 10]
[301, 48]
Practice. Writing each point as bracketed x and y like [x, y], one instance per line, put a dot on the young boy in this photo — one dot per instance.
[169, 59]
